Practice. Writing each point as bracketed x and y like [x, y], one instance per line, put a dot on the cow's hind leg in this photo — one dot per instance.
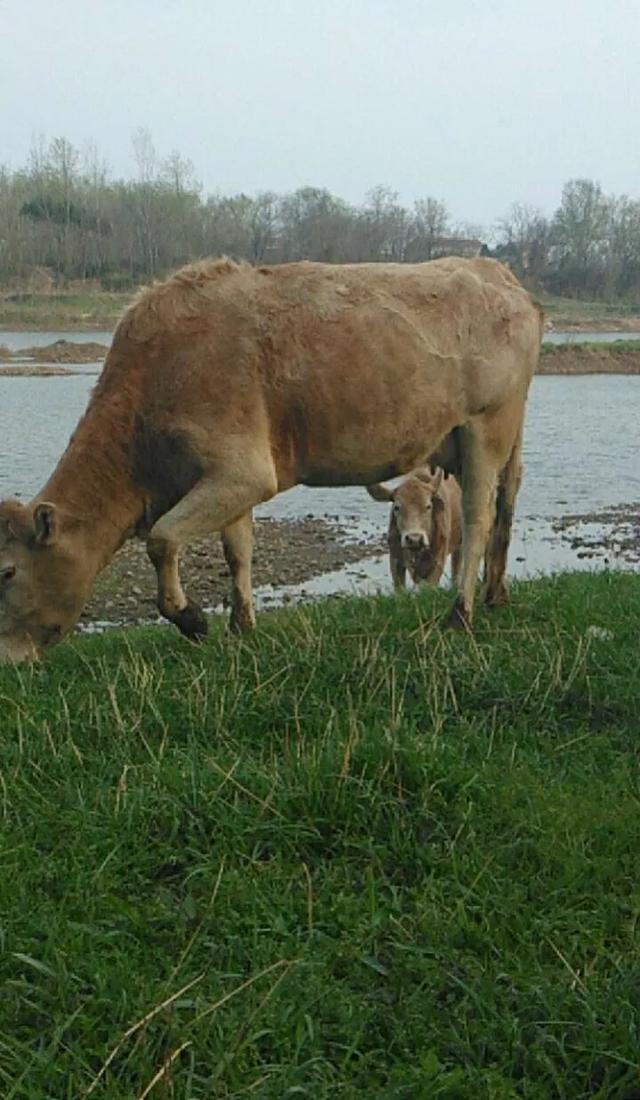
[215, 504]
[479, 473]
[495, 587]
[237, 542]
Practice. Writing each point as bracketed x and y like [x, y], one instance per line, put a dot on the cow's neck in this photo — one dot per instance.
[92, 484]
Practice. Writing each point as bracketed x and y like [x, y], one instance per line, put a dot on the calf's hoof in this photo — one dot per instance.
[241, 624]
[191, 621]
[458, 618]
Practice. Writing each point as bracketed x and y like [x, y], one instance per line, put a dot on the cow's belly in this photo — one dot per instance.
[376, 410]
[363, 451]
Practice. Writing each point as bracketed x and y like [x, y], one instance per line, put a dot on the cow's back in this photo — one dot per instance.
[348, 371]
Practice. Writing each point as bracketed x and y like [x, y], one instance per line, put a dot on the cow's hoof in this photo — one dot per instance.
[191, 621]
[458, 618]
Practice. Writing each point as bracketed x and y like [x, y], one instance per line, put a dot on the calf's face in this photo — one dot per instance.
[411, 507]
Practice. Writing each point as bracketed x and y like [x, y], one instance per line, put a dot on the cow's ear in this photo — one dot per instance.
[16, 522]
[45, 523]
[380, 492]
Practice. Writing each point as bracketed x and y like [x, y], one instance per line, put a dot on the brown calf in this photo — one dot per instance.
[425, 526]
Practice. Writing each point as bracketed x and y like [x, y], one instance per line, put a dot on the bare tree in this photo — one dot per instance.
[263, 225]
[63, 217]
[580, 229]
[524, 240]
[430, 221]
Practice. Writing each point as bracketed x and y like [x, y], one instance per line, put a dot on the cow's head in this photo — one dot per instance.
[412, 504]
[43, 586]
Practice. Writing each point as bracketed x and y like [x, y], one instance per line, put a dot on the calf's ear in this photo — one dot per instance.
[437, 479]
[45, 523]
[380, 492]
[431, 478]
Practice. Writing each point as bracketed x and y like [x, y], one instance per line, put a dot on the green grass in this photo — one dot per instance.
[576, 310]
[351, 856]
[93, 309]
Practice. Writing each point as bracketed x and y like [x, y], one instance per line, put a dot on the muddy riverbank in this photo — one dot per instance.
[586, 358]
[286, 553]
[32, 371]
[621, 357]
[289, 555]
[615, 529]
[60, 351]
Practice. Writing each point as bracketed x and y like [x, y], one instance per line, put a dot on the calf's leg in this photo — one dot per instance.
[397, 569]
[456, 565]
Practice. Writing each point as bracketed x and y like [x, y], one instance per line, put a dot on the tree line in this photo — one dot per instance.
[64, 217]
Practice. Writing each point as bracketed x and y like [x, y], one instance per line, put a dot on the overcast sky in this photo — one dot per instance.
[477, 102]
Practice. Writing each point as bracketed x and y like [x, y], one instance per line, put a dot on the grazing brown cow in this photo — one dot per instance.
[226, 384]
[425, 526]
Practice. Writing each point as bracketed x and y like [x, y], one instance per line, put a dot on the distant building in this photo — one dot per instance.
[432, 248]
[468, 247]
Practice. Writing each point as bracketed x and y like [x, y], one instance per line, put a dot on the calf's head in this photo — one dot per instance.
[412, 506]
[43, 585]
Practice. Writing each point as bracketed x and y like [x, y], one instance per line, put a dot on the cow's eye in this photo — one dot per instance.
[7, 573]
[396, 509]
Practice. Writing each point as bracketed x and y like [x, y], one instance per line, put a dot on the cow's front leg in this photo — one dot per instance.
[237, 542]
[172, 601]
[217, 503]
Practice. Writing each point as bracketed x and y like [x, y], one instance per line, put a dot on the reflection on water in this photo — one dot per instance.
[581, 447]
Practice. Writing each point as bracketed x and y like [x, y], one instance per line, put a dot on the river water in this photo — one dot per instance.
[580, 453]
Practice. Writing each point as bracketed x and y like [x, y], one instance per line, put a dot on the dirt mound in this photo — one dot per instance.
[28, 371]
[64, 351]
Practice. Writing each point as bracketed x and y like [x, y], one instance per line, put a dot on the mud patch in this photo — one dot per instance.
[27, 371]
[622, 358]
[286, 554]
[61, 351]
[614, 531]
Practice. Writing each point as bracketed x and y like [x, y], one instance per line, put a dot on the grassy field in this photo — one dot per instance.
[93, 308]
[349, 857]
[575, 310]
[66, 311]
[589, 357]
[621, 346]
